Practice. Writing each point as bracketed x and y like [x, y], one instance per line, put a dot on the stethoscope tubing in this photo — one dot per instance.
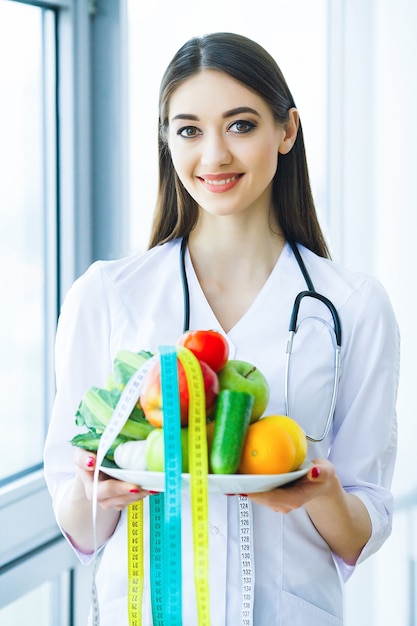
[328, 303]
[334, 389]
[309, 293]
[312, 293]
[185, 288]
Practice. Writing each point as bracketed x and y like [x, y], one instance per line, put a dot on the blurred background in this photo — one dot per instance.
[79, 84]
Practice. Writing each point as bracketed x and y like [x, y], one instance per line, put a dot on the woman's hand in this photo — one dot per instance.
[315, 483]
[341, 518]
[75, 513]
[111, 493]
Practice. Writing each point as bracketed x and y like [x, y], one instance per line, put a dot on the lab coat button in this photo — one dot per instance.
[213, 530]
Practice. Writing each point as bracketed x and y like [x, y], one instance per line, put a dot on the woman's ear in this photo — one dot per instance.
[290, 130]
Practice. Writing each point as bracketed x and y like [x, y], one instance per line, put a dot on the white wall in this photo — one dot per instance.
[380, 169]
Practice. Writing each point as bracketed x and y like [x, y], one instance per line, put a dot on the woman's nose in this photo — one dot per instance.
[215, 151]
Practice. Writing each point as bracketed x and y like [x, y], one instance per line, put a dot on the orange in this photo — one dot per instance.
[268, 448]
[298, 435]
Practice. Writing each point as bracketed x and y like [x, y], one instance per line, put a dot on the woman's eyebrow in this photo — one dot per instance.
[239, 110]
[186, 116]
[225, 115]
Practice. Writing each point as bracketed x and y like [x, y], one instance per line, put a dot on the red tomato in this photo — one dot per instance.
[208, 346]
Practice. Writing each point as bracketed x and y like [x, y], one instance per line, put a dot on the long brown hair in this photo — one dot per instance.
[246, 61]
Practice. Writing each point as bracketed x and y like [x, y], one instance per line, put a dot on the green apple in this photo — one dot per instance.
[155, 450]
[243, 376]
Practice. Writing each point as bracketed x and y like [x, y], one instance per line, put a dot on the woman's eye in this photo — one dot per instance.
[188, 131]
[241, 126]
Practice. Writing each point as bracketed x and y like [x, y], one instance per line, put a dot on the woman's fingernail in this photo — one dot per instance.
[315, 472]
[153, 493]
[90, 461]
[134, 491]
[236, 494]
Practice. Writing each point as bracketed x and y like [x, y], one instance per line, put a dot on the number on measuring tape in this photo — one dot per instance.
[246, 559]
[156, 549]
[135, 563]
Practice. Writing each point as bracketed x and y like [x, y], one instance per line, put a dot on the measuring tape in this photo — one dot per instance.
[165, 543]
[135, 570]
[165, 509]
[120, 416]
[156, 550]
[246, 559]
[198, 466]
[171, 562]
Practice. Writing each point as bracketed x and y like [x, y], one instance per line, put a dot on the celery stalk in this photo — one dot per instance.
[96, 410]
[125, 365]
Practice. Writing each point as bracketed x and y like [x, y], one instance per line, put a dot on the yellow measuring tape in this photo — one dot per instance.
[120, 415]
[136, 574]
[198, 467]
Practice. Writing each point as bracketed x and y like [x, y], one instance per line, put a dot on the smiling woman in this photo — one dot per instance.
[245, 247]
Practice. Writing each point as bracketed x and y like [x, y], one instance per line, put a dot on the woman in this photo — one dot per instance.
[234, 186]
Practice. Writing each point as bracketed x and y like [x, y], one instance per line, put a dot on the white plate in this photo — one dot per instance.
[217, 483]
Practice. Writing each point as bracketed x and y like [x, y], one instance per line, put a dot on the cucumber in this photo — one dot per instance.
[231, 422]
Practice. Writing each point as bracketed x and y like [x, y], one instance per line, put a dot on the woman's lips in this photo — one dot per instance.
[219, 183]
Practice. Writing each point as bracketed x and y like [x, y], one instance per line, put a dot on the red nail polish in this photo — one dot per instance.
[315, 472]
[134, 491]
[90, 461]
[153, 493]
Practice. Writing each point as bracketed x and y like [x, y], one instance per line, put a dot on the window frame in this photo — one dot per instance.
[88, 34]
[36, 540]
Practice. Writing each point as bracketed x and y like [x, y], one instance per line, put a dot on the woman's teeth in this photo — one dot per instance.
[224, 181]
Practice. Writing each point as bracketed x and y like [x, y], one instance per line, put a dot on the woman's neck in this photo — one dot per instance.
[232, 265]
[216, 241]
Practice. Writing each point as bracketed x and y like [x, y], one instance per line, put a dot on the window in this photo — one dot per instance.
[28, 239]
[35, 603]
[40, 81]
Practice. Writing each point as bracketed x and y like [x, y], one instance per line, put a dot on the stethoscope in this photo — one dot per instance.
[293, 326]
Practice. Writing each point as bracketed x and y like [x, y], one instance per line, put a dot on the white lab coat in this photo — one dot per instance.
[137, 303]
